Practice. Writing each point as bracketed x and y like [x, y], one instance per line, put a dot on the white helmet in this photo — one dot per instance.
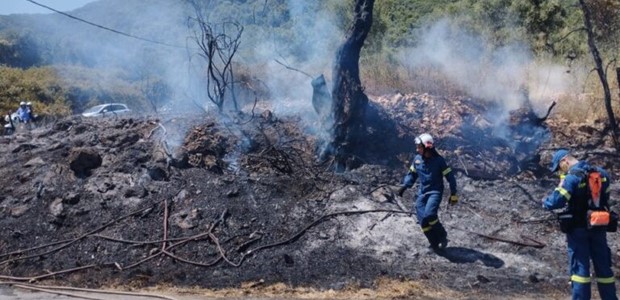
[29, 103]
[424, 139]
[22, 103]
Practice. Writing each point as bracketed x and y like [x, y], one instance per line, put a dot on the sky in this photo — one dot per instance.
[24, 7]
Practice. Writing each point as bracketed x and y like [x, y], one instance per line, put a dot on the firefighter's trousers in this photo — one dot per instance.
[427, 208]
[583, 245]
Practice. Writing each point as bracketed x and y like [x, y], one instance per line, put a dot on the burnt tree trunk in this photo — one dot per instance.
[618, 79]
[349, 101]
[587, 17]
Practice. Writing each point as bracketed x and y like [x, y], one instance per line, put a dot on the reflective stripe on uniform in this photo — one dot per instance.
[582, 185]
[580, 279]
[606, 280]
[433, 222]
[446, 171]
[412, 169]
[564, 193]
[604, 179]
[426, 229]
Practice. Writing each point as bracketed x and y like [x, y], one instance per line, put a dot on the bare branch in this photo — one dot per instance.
[218, 44]
[293, 69]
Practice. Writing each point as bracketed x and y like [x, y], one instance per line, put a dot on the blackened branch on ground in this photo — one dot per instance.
[533, 243]
[34, 248]
[49, 274]
[137, 243]
[222, 253]
[64, 244]
[70, 241]
[163, 244]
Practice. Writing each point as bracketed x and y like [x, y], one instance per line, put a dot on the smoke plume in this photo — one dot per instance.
[507, 75]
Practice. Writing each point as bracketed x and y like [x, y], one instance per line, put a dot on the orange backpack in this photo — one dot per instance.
[594, 182]
[597, 215]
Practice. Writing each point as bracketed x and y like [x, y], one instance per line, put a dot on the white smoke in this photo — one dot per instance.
[494, 74]
[149, 43]
[308, 46]
[165, 50]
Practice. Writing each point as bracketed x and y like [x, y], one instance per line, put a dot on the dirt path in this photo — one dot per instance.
[393, 290]
[15, 293]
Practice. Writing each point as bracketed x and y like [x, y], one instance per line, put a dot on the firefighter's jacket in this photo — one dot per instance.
[572, 192]
[430, 172]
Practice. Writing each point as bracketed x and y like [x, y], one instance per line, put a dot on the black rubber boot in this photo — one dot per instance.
[442, 235]
[430, 232]
[432, 239]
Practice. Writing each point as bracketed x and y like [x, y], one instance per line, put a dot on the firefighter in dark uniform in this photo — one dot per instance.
[585, 240]
[430, 168]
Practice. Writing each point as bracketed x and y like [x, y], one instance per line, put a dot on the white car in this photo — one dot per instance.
[110, 109]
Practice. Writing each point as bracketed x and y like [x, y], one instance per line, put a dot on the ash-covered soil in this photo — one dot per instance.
[244, 204]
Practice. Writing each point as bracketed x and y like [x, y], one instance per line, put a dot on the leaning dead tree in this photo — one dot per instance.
[348, 99]
[218, 44]
[600, 70]
[618, 79]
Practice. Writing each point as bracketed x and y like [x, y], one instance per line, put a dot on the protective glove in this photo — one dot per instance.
[454, 199]
[401, 190]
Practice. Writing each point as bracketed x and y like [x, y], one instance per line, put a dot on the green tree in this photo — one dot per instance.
[543, 20]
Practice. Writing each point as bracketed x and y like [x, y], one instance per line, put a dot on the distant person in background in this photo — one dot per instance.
[31, 111]
[430, 168]
[586, 232]
[23, 113]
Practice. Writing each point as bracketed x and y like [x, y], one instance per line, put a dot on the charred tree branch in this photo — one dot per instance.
[218, 49]
[165, 225]
[534, 243]
[38, 277]
[167, 252]
[540, 120]
[618, 79]
[293, 69]
[72, 241]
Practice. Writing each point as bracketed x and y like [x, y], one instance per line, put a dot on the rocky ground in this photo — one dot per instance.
[242, 207]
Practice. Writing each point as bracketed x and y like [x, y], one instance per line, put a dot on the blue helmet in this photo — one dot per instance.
[557, 157]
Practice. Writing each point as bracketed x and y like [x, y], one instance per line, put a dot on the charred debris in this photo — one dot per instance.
[216, 203]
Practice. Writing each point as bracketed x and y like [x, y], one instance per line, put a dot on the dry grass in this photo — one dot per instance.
[580, 100]
[586, 103]
[384, 289]
[380, 78]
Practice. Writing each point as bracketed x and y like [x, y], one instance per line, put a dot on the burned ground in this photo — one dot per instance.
[246, 204]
